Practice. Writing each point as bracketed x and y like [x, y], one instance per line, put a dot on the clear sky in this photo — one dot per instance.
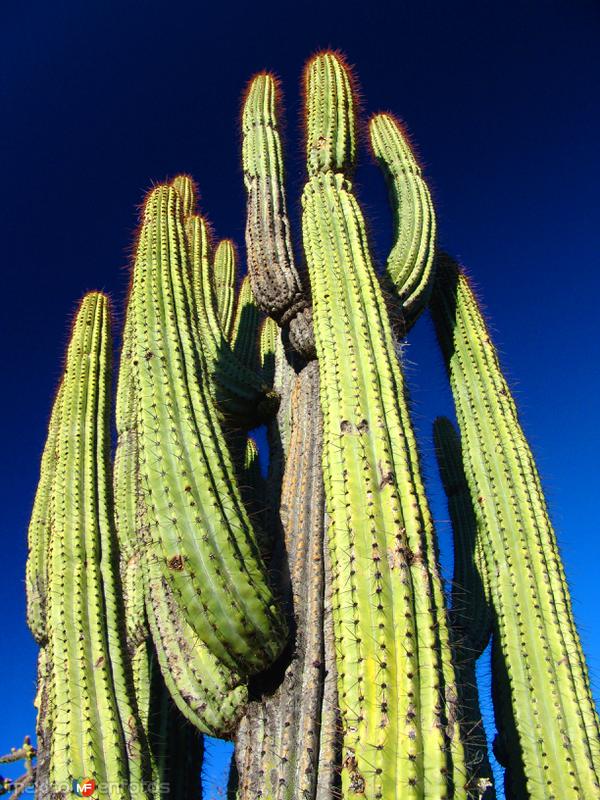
[100, 99]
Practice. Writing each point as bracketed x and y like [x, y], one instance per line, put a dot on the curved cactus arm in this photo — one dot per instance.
[239, 391]
[411, 260]
[224, 273]
[205, 691]
[471, 614]
[396, 682]
[94, 724]
[558, 733]
[275, 280]
[278, 744]
[199, 529]
[36, 571]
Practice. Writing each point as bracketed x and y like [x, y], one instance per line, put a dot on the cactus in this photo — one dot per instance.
[410, 263]
[471, 614]
[94, 727]
[271, 267]
[25, 753]
[224, 271]
[548, 721]
[396, 681]
[200, 533]
[302, 615]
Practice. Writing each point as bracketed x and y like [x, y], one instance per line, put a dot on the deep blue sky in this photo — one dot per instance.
[100, 99]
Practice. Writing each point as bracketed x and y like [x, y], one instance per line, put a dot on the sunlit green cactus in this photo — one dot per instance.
[301, 615]
[547, 721]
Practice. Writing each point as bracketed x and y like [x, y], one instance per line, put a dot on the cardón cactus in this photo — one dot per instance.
[550, 735]
[302, 615]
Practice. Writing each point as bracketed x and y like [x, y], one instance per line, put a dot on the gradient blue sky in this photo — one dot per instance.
[100, 99]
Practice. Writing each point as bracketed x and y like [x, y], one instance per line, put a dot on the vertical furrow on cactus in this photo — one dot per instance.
[36, 575]
[558, 742]
[397, 691]
[471, 614]
[276, 283]
[200, 531]
[86, 662]
[411, 260]
[224, 273]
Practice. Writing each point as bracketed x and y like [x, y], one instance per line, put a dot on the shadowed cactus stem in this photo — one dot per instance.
[549, 730]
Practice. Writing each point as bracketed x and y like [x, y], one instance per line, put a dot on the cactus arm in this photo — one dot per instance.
[239, 391]
[471, 609]
[411, 260]
[186, 189]
[558, 741]
[471, 614]
[397, 691]
[200, 531]
[206, 692]
[269, 335]
[246, 322]
[224, 272]
[276, 283]
[36, 578]
[87, 731]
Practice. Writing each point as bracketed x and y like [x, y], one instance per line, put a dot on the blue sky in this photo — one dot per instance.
[100, 99]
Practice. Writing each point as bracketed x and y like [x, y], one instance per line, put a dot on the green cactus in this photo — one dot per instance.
[36, 577]
[239, 391]
[548, 721]
[396, 682]
[471, 614]
[224, 272]
[199, 531]
[272, 271]
[94, 726]
[410, 263]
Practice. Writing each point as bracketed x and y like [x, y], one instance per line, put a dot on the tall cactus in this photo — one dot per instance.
[551, 730]
[200, 533]
[94, 727]
[396, 682]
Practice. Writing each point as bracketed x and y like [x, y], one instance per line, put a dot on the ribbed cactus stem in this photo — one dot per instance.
[271, 266]
[246, 323]
[224, 273]
[286, 742]
[94, 729]
[186, 188]
[330, 115]
[471, 614]
[410, 262]
[267, 346]
[36, 575]
[557, 730]
[396, 683]
[201, 535]
[238, 389]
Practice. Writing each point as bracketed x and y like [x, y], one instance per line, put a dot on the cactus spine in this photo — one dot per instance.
[396, 683]
[553, 729]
